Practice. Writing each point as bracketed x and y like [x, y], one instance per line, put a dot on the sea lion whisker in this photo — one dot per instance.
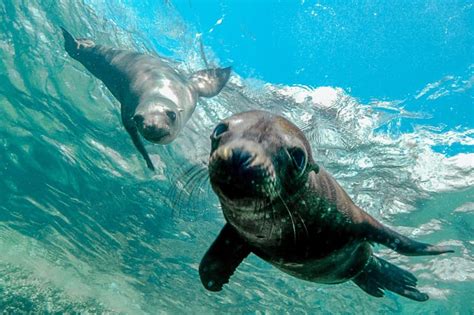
[189, 179]
[177, 194]
[272, 218]
[196, 168]
[177, 191]
[203, 178]
[185, 200]
[291, 216]
[267, 216]
[257, 208]
[200, 181]
[302, 222]
[197, 180]
[193, 172]
[269, 191]
[174, 197]
[174, 193]
[177, 198]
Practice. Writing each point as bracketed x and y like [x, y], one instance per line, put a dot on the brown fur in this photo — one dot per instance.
[295, 215]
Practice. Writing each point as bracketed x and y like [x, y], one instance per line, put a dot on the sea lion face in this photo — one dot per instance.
[158, 120]
[257, 157]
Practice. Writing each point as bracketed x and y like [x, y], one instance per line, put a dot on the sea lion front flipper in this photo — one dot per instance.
[379, 275]
[133, 132]
[376, 232]
[222, 258]
[209, 82]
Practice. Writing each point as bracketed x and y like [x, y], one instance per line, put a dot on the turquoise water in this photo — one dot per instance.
[85, 227]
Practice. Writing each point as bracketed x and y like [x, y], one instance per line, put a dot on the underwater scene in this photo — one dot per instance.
[127, 146]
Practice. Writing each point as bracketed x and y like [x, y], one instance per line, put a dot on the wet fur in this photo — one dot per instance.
[146, 84]
[304, 224]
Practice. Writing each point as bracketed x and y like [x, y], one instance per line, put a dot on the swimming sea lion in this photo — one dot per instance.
[283, 207]
[156, 100]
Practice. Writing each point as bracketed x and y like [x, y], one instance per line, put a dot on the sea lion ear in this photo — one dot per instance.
[209, 82]
[313, 167]
[222, 258]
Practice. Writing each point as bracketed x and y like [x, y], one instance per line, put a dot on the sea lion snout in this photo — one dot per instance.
[240, 158]
[154, 127]
[241, 170]
[158, 120]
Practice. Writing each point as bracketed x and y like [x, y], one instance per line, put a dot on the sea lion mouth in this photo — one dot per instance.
[240, 188]
[156, 133]
[155, 128]
[162, 137]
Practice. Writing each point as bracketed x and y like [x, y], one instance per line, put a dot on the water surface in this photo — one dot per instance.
[384, 93]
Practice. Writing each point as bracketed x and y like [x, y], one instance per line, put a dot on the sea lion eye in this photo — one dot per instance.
[299, 157]
[171, 115]
[219, 130]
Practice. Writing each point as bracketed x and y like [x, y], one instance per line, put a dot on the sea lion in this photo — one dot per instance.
[156, 100]
[282, 206]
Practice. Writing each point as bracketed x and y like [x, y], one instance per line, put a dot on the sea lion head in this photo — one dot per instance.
[257, 157]
[158, 120]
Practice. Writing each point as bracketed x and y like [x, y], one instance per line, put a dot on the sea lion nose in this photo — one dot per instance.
[241, 158]
[153, 125]
[237, 172]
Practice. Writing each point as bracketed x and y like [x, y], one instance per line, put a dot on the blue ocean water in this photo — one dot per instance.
[384, 91]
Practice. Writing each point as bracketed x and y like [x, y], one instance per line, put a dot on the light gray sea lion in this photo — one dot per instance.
[283, 207]
[156, 100]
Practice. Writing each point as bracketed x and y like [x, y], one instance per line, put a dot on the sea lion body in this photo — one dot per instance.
[156, 99]
[287, 241]
[283, 207]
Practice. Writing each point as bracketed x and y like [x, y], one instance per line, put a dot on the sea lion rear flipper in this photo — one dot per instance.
[133, 132]
[376, 232]
[74, 46]
[379, 275]
[70, 43]
[209, 82]
[222, 258]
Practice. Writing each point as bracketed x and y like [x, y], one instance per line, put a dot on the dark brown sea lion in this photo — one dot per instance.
[283, 207]
[156, 100]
